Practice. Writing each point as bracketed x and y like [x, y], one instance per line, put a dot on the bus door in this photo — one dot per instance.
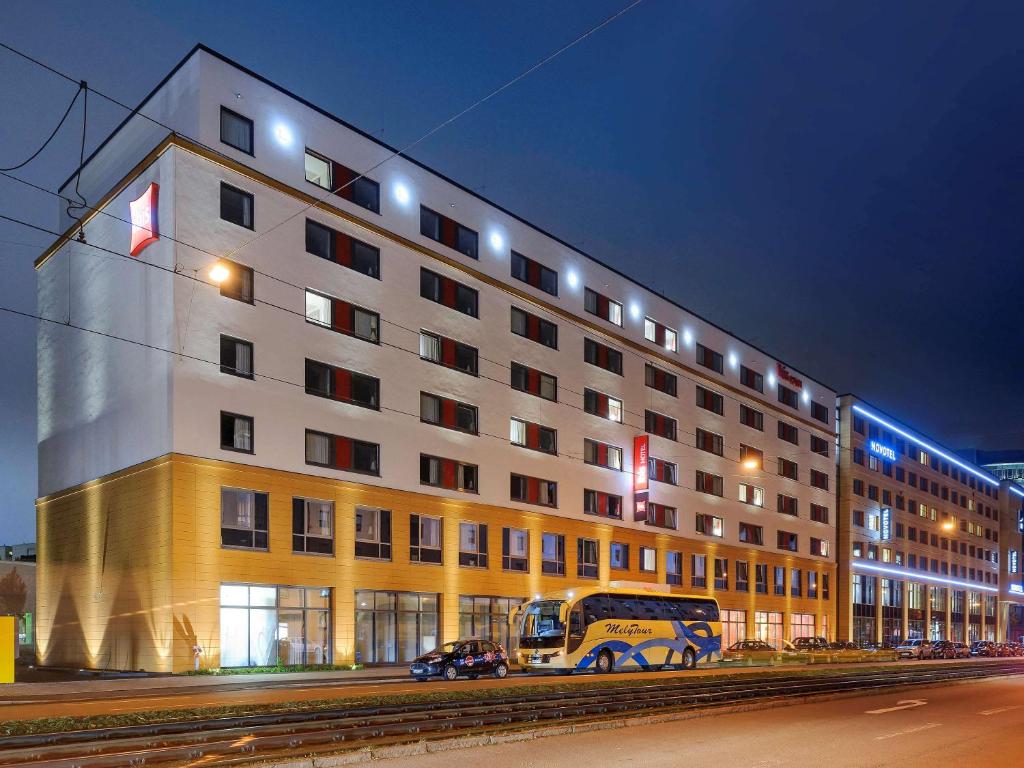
[577, 628]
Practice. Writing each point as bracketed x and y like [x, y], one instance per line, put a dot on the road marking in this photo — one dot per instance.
[907, 731]
[904, 704]
[999, 709]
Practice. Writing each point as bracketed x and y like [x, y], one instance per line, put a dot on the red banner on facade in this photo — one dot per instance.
[145, 228]
[640, 463]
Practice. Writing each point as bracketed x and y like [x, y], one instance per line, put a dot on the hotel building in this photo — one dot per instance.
[342, 418]
[918, 538]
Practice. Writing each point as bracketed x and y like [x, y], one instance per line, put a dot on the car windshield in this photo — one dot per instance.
[541, 619]
[446, 648]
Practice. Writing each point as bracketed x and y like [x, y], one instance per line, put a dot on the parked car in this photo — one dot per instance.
[982, 648]
[914, 649]
[944, 649]
[749, 652]
[470, 657]
[815, 649]
[963, 651]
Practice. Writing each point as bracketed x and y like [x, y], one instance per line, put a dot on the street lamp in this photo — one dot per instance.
[750, 463]
[219, 273]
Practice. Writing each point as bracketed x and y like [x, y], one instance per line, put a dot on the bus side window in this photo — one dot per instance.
[576, 625]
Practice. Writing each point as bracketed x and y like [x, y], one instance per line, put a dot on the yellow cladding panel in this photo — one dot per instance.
[176, 584]
[8, 641]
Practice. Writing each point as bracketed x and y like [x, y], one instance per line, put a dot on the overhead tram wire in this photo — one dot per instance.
[81, 87]
[502, 383]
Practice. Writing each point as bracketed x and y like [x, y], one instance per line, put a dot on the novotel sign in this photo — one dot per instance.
[882, 450]
[885, 524]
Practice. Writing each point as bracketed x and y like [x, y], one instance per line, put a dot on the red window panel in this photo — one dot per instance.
[342, 384]
[343, 249]
[341, 316]
[342, 452]
[448, 413]
[533, 490]
[533, 327]
[602, 404]
[341, 180]
[448, 232]
[659, 334]
[602, 504]
[533, 381]
[448, 351]
[602, 355]
[602, 306]
[602, 454]
[532, 436]
[533, 273]
[448, 290]
[449, 470]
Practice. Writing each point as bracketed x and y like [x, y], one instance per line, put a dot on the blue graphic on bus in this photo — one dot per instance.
[697, 635]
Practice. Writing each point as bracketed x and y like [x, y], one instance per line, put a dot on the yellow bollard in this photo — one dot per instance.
[8, 637]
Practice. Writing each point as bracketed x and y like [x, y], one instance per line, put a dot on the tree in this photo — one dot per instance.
[13, 593]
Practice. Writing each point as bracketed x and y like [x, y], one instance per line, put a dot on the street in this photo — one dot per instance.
[966, 725]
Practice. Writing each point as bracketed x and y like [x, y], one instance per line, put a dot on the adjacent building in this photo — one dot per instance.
[348, 417]
[919, 535]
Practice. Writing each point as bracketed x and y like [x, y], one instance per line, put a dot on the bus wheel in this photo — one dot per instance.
[605, 662]
[689, 659]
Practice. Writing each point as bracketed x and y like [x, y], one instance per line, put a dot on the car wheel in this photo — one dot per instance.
[605, 663]
[450, 672]
[689, 659]
[501, 671]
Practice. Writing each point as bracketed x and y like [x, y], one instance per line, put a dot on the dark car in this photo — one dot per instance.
[982, 648]
[470, 657]
[944, 649]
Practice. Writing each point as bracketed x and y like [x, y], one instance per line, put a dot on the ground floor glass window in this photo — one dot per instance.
[268, 625]
[487, 618]
[801, 625]
[734, 627]
[395, 627]
[768, 627]
[863, 630]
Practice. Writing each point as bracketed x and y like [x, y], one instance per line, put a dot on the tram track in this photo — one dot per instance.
[230, 740]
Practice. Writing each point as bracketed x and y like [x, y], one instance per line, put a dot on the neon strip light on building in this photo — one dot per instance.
[927, 446]
[916, 576]
[1018, 491]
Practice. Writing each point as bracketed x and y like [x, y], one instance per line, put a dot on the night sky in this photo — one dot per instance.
[838, 183]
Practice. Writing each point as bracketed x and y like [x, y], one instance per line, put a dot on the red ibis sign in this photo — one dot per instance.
[640, 463]
[786, 375]
[145, 227]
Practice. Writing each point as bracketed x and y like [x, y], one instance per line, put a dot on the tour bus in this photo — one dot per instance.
[617, 627]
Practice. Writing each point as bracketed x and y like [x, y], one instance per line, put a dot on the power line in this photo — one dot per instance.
[81, 87]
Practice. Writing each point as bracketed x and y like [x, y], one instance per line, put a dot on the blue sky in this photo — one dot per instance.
[838, 183]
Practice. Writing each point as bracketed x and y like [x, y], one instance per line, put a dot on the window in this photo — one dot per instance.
[819, 513]
[244, 518]
[342, 384]
[788, 433]
[602, 405]
[312, 526]
[515, 549]
[661, 516]
[709, 358]
[761, 578]
[236, 206]
[819, 479]
[710, 401]
[820, 547]
[533, 490]
[586, 558]
[345, 453]
[448, 352]
[751, 534]
[236, 357]
[342, 181]
[447, 292]
[751, 378]
[424, 539]
[663, 471]
[721, 573]
[236, 131]
[819, 445]
[751, 418]
[602, 504]
[796, 582]
[660, 334]
[448, 473]
[663, 381]
[342, 317]
[819, 412]
[534, 382]
[710, 442]
[788, 469]
[742, 576]
[659, 424]
[709, 483]
[788, 397]
[534, 273]
[751, 494]
[709, 525]
[534, 328]
[787, 541]
[619, 556]
[448, 413]
[238, 284]
[779, 582]
[236, 432]
[648, 560]
[448, 232]
[602, 454]
[473, 545]
[674, 568]
[751, 458]
[552, 554]
[602, 356]
[341, 249]
[373, 533]
[602, 306]
[533, 436]
[812, 584]
[698, 571]
[787, 504]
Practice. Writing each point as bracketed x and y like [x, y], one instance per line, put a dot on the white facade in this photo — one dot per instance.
[132, 404]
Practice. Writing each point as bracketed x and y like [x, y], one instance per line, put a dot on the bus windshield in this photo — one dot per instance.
[541, 626]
